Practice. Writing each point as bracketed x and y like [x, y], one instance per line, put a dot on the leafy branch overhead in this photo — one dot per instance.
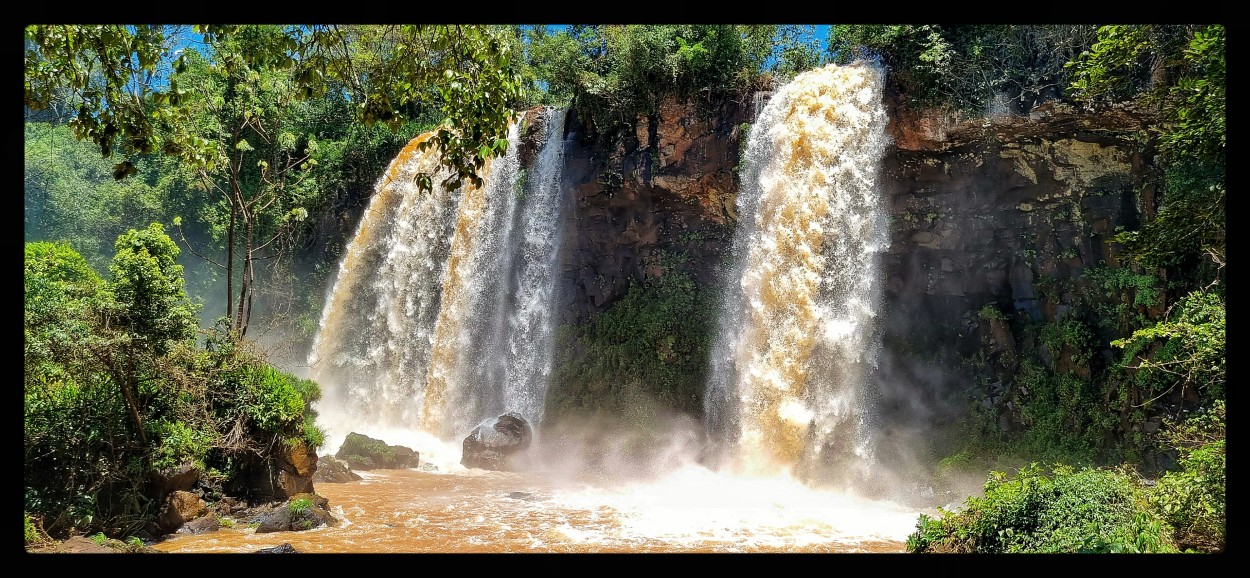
[118, 84]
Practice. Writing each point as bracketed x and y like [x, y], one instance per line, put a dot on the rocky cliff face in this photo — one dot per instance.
[664, 190]
[994, 211]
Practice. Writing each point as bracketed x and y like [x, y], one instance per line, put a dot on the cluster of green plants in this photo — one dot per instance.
[1096, 509]
[612, 74]
[1141, 344]
[1061, 511]
[652, 343]
[967, 67]
[1179, 72]
[118, 389]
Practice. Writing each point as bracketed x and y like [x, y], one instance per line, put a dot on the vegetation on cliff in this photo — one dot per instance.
[1144, 351]
[258, 148]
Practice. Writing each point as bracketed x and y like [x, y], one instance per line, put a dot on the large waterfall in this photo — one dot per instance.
[442, 311]
[791, 374]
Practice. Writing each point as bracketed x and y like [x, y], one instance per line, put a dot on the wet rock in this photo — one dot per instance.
[180, 507]
[495, 443]
[362, 452]
[332, 470]
[201, 525]
[283, 548]
[301, 512]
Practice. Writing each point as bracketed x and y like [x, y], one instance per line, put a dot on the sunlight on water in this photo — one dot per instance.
[691, 510]
[797, 335]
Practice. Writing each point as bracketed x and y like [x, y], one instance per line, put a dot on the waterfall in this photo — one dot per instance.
[790, 386]
[496, 326]
[443, 313]
[373, 344]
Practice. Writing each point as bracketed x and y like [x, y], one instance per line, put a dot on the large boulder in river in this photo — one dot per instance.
[362, 452]
[495, 443]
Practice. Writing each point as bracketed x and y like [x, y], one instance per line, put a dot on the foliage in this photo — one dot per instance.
[655, 338]
[110, 74]
[70, 194]
[798, 50]
[148, 285]
[1062, 416]
[33, 535]
[1065, 511]
[614, 73]
[1180, 71]
[1192, 354]
[1122, 296]
[975, 68]
[299, 506]
[1192, 499]
[990, 312]
[115, 391]
[61, 292]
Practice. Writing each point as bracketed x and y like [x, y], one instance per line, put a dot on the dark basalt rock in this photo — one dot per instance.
[283, 548]
[495, 443]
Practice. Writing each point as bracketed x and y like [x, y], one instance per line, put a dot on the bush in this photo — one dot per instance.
[967, 67]
[1192, 499]
[1068, 511]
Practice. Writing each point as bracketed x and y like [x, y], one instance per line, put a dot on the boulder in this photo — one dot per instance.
[200, 525]
[283, 548]
[495, 443]
[180, 507]
[287, 471]
[301, 512]
[362, 452]
[331, 470]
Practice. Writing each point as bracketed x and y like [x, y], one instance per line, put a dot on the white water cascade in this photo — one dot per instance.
[790, 390]
[442, 311]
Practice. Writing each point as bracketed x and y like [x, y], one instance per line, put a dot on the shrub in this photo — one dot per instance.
[1066, 511]
[299, 506]
[1192, 499]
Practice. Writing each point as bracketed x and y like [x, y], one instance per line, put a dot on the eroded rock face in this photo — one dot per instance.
[286, 473]
[1005, 210]
[496, 443]
[668, 185]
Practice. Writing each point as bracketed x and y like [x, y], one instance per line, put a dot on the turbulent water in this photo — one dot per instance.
[790, 388]
[688, 509]
[372, 349]
[442, 311]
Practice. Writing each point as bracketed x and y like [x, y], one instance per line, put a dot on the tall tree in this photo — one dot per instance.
[221, 114]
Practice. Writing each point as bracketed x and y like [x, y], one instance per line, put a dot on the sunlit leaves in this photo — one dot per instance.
[466, 70]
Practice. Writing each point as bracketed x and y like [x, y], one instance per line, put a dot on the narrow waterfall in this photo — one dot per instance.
[442, 313]
[372, 348]
[791, 370]
[492, 352]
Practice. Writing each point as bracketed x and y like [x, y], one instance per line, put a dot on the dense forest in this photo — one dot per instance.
[185, 190]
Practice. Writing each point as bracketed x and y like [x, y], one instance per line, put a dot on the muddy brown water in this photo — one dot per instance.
[478, 511]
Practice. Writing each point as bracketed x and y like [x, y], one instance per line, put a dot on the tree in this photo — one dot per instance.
[1180, 72]
[221, 114]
